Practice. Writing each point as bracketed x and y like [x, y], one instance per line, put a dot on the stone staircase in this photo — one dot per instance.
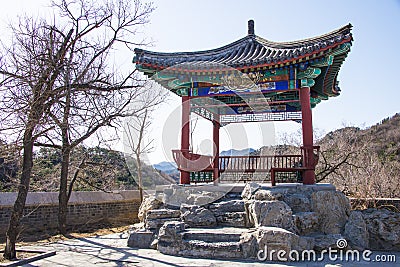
[219, 242]
[237, 226]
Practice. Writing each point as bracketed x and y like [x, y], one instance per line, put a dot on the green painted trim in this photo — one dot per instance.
[274, 73]
[310, 72]
[182, 91]
[315, 101]
[326, 61]
[342, 49]
[292, 84]
[307, 82]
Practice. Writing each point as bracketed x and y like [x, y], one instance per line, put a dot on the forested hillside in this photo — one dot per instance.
[94, 168]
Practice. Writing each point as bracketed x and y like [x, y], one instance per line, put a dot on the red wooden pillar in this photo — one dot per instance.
[308, 155]
[216, 126]
[185, 137]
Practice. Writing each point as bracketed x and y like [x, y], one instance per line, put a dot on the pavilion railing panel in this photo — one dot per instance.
[257, 168]
[257, 163]
[240, 168]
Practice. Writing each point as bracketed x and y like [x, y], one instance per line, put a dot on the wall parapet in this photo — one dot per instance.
[85, 209]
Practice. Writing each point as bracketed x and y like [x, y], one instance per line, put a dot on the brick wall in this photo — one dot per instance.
[85, 209]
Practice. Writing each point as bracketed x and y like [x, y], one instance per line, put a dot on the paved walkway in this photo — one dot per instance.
[111, 250]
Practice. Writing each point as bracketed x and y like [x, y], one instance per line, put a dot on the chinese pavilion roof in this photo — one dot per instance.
[279, 69]
[249, 52]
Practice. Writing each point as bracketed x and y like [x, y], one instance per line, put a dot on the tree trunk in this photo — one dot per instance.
[139, 172]
[19, 205]
[63, 194]
[65, 153]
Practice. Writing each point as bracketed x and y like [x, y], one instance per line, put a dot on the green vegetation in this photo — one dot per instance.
[103, 169]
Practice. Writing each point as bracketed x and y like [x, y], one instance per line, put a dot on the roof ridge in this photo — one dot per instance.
[293, 44]
[200, 52]
[262, 41]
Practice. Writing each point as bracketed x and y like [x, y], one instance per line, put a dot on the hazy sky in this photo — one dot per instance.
[368, 77]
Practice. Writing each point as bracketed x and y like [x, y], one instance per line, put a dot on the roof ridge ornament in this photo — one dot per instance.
[250, 27]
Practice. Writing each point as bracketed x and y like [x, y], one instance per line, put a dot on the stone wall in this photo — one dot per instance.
[85, 209]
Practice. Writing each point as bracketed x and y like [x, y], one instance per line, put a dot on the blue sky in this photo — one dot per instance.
[368, 77]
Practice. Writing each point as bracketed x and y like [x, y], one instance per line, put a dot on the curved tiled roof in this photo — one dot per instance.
[248, 52]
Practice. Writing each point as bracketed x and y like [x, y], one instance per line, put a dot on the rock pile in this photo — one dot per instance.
[296, 217]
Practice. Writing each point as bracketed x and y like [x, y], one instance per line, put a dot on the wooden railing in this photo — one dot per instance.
[191, 162]
[257, 163]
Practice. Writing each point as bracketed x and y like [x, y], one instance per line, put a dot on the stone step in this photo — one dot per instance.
[212, 237]
[221, 242]
[202, 249]
[216, 233]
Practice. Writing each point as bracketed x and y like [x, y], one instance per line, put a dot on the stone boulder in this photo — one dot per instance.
[323, 242]
[274, 238]
[156, 218]
[149, 203]
[304, 243]
[356, 231]
[235, 205]
[196, 216]
[141, 238]
[332, 208]
[256, 242]
[298, 202]
[169, 237]
[306, 222]
[177, 195]
[271, 213]
[269, 194]
[248, 243]
[249, 190]
[203, 198]
[383, 229]
[162, 214]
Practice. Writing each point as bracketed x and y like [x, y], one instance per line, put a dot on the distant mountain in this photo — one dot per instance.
[235, 152]
[166, 167]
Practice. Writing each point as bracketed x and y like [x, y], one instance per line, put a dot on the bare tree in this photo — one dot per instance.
[96, 95]
[136, 129]
[359, 162]
[59, 87]
[29, 70]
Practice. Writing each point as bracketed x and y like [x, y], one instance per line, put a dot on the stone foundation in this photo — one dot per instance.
[246, 219]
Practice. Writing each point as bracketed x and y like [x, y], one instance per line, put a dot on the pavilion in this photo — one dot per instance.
[251, 79]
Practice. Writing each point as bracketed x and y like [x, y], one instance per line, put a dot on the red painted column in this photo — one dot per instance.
[185, 136]
[216, 126]
[308, 156]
